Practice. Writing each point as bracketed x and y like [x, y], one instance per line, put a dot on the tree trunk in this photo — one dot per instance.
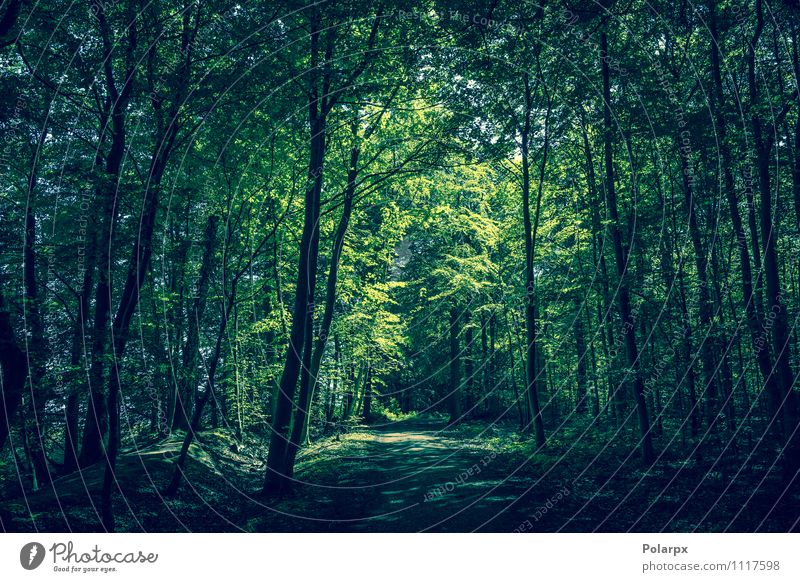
[138, 267]
[631, 350]
[38, 393]
[751, 302]
[96, 423]
[522, 410]
[14, 364]
[615, 400]
[194, 425]
[71, 411]
[595, 382]
[106, 191]
[469, 364]
[581, 354]
[486, 367]
[367, 412]
[321, 100]
[278, 479]
[310, 378]
[186, 393]
[454, 393]
[531, 388]
[688, 356]
[783, 399]
[704, 307]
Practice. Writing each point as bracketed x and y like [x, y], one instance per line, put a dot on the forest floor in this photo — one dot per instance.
[418, 475]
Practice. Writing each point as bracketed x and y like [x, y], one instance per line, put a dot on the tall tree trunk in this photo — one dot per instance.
[310, 376]
[336, 384]
[186, 393]
[138, 267]
[784, 399]
[139, 262]
[723, 344]
[96, 423]
[522, 410]
[469, 363]
[751, 302]
[321, 100]
[302, 412]
[685, 348]
[486, 364]
[616, 401]
[796, 160]
[367, 411]
[167, 129]
[704, 307]
[454, 391]
[631, 350]
[38, 393]
[354, 394]
[581, 354]
[197, 415]
[279, 460]
[277, 480]
[178, 397]
[14, 363]
[688, 356]
[593, 360]
[106, 189]
[531, 388]
[71, 409]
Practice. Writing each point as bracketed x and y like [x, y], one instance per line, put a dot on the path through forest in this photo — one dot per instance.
[408, 476]
[422, 476]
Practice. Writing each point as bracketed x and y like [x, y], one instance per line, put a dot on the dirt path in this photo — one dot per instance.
[419, 476]
[410, 476]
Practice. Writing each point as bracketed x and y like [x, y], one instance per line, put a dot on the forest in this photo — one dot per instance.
[400, 266]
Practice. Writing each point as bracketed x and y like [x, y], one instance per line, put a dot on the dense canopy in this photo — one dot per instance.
[269, 265]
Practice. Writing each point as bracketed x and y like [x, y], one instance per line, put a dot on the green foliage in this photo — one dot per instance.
[210, 110]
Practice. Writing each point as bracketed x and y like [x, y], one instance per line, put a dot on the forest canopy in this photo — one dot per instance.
[257, 257]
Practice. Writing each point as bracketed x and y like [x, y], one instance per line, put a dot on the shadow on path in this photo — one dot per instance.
[421, 476]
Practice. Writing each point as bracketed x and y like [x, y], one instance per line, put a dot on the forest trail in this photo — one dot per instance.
[407, 476]
[414, 475]
[421, 475]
